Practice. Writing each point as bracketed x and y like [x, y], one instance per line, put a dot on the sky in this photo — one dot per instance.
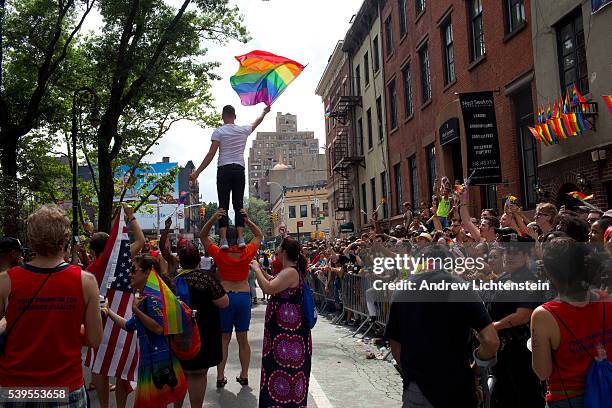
[306, 31]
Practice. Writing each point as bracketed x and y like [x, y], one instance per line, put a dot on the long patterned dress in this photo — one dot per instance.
[287, 352]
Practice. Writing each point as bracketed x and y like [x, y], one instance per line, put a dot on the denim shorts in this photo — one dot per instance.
[238, 314]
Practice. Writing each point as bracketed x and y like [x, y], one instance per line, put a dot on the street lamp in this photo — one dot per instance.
[84, 96]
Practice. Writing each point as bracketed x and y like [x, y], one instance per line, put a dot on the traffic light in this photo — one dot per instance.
[202, 212]
[274, 217]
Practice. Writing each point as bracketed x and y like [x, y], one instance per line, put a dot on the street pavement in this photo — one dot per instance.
[341, 375]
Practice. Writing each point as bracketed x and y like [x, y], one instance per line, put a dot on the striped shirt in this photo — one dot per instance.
[232, 141]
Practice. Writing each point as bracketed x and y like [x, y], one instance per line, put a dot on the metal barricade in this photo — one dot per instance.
[322, 300]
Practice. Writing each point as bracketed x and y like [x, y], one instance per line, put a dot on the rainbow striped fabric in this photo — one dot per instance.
[608, 101]
[263, 76]
[171, 307]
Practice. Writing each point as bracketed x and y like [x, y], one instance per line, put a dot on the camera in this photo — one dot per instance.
[164, 376]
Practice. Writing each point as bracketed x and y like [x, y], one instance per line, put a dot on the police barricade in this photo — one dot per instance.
[322, 300]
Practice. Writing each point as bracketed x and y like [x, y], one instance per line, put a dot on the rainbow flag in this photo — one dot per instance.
[263, 76]
[576, 96]
[581, 196]
[171, 307]
[566, 103]
[608, 101]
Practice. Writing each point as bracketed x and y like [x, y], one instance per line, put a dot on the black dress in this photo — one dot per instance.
[203, 289]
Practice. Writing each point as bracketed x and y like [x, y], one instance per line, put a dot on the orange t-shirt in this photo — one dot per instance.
[233, 263]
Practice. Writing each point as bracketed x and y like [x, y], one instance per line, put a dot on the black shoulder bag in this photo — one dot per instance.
[5, 334]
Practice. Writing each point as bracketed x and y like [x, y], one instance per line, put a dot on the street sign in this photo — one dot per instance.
[180, 215]
[316, 222]
[282, 230]
[316, 203]
[300, 224]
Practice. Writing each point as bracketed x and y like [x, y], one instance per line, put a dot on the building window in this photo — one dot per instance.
[303, 211]
[397, 172]
[414, 182]
[515, 10]
[373, 191]
[366, 68]
[431, 166]
[360, 136]
[383, 184]
[420, 6]
[393, 104]
[325, 209]
[369, 118]
[364, 203]
[403, 18]
[376, 52]
[425, 74]
[379, 117]
[292, 211]
[357, 81]
[572, 53]
[449, 53]
[408, 106]
[313, 212]
[389, 35]
[477, 47]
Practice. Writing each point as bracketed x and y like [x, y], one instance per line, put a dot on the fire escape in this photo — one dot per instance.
[344, 150]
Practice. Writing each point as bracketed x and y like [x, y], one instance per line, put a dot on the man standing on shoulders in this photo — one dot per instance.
[230, 139]
[233, 267]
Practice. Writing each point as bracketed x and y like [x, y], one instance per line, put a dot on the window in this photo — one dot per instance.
[292, 211]
[412, 164]
[403, 19]
[572, 53]
[325, 209]
[393, 104]
[449, 54]
[360, 136]
[379, 117]
[357, 81]
[389, 35]
[376, 52]
[313, 212]
[373, 190]
[397, 172]
[515, 14]
[425, 78]
[383, 183]
[477, 46]
[369, 117]
[431, 166]
[364, 203]
[366, 68]
[303, 211]
[420, 6]
[408, 106]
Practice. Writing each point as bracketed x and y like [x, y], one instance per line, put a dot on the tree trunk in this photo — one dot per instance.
[8, 184]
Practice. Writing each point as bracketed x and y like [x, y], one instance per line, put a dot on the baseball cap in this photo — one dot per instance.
[10, 244]
[426, 236]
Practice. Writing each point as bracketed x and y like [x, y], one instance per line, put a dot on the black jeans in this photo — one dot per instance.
[230, 178]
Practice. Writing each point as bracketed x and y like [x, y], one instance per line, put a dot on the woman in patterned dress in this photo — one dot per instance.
[287, 345]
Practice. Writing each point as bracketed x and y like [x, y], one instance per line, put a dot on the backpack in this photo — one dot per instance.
[186, 345]
[308, 306]
[598, 385]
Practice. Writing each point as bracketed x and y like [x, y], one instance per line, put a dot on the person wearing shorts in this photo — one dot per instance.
[233, 267]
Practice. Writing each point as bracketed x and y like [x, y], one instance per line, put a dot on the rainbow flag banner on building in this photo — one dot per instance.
[263, 76]
[608, 101]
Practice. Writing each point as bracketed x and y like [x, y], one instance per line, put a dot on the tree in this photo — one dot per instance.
[40, 35]
[260, 214]
[149, 52]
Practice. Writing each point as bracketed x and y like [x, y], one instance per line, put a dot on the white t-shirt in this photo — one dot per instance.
[232, 141]
[206, 263]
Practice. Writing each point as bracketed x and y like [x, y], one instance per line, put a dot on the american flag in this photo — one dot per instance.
[117, 355]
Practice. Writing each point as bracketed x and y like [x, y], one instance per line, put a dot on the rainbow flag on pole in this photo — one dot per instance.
[263, 76]
[171, 307]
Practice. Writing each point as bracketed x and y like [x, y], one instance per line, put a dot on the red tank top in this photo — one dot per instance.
[44, 347]
[570, 360]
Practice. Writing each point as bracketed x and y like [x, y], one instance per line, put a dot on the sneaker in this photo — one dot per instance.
[224, 244]
[241, 243]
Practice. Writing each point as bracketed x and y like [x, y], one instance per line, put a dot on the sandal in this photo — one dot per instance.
[242, 381]
[221, 383]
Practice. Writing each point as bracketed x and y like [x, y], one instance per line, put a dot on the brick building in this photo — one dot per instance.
[431, 51]
[572, 46]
